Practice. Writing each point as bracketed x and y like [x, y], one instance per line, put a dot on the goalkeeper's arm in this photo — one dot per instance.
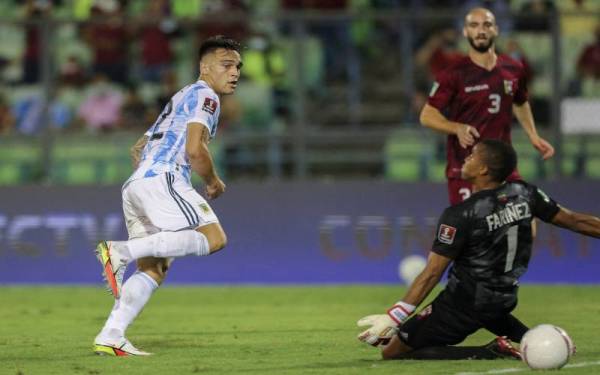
[383, 327]
[420, 287]
[427, 279]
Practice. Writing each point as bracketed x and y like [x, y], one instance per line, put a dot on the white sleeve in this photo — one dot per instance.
[205, 110]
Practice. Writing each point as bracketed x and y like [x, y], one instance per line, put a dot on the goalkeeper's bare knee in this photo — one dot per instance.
[395, 349]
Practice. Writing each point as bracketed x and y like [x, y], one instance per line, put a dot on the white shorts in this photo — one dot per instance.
[165, 202]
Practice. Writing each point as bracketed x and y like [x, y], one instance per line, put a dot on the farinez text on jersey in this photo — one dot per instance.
[508, 215]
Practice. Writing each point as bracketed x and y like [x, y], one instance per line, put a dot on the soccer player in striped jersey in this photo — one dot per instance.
[165, 217]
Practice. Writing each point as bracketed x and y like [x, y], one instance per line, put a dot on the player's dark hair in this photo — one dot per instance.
[500, 158]
[216, 42]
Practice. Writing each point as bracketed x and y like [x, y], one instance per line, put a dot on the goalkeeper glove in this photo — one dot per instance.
[382, 329]
[384, 326]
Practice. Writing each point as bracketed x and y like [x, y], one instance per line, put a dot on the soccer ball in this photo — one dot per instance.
[410, 267]
[546, 347]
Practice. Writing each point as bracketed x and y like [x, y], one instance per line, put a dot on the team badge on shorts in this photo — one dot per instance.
[446, 234]
[209, 106]
[204, 207]
[508, 87]
[425, 312]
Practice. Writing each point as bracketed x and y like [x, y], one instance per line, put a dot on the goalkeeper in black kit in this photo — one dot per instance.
[488, 239]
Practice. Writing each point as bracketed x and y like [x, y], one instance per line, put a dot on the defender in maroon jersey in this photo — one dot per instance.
[478, 96]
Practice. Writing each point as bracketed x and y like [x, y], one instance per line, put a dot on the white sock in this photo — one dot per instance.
[169, 244]
[135, 293]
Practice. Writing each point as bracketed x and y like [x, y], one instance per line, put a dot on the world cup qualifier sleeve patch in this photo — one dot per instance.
[446, 234]
[209, 106]
[434, 89]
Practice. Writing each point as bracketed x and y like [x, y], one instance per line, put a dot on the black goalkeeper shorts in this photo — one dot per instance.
[445, 322]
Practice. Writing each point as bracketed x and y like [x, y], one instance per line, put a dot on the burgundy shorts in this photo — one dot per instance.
[459, 189]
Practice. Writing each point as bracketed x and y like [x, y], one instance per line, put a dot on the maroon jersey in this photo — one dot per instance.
[470, 94]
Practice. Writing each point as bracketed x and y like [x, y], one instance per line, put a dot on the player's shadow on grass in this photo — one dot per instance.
[321, 365]
[231, 333]
[245, 332]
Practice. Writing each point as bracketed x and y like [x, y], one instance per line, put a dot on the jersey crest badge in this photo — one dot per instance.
[209, 106]
[434, 89]
[446, 234]
[508, 87]
[204, 207]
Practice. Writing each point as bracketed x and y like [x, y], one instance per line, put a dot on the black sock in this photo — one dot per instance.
[508, 326]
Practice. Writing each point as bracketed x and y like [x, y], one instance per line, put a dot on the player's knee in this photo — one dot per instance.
[394, 349]
[215, 235]
[157, 270]
[157, 273]
[386, 354]
[218, 242]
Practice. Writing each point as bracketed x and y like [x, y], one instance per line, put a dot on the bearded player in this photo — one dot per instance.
[475, 98]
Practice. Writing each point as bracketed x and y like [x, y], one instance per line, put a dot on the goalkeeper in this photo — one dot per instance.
[488, 238]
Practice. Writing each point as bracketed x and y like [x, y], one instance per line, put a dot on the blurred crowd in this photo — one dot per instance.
[114, 64]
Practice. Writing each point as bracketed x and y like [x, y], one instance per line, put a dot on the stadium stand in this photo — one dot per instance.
[273, 121]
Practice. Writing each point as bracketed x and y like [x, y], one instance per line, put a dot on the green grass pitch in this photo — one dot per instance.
[255, 330]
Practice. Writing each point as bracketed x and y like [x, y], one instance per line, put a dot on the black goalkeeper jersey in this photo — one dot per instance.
[489, 238]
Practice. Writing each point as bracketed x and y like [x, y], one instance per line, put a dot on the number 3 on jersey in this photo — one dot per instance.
[495, 103]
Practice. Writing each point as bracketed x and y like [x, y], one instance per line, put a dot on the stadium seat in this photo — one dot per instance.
[592, 161]
[19, 161]
[436, 170]
[405, 158]
[255, 100]
[592, 167]
[571, 49]
[312, 54]
[10, 174]
[68, 43]
[572, 156]
[101, 160]
[529, 160]
[538, 48]
[78, 172]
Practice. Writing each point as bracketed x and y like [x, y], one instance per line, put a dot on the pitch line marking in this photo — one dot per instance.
[515, 369]
[502, 371]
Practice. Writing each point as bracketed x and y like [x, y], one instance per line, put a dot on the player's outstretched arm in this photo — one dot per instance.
[196, 148]
[136, 150]
[525, 117]
[382, 327]
[432, 118]
[427, 279]
[577, 222]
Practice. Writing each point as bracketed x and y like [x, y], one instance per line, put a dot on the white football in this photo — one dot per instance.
[410, 267]
[546, 347]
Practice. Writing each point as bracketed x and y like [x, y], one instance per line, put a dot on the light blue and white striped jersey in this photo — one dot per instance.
[165, 150]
